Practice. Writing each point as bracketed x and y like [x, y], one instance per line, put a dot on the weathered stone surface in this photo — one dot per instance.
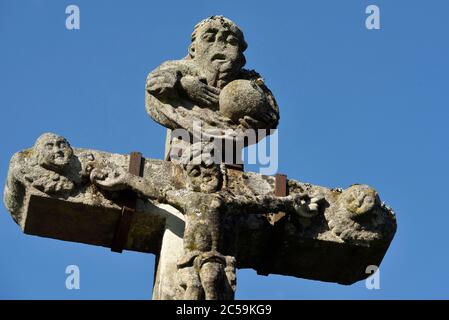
[165, 285]
[349, 230]
[83, 213]
[242, 98]
[200, 217]
[210, 89]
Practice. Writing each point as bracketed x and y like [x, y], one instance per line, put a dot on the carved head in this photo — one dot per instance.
[202, 178]
[202, 173]
[52, 152]
[218, 45]
[359, 200]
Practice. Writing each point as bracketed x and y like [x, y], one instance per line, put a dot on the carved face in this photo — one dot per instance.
[53, 152]
[218, 48]
[359, 199]
[203, 179]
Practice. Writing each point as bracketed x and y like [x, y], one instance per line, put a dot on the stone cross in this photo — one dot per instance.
[197, 210]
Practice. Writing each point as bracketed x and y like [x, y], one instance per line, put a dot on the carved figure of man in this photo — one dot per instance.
[203, 271]
[358, 215]
[215, 59]
[49, 171]
[53, 155]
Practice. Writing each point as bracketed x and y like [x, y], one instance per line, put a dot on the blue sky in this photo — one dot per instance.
[357, 106]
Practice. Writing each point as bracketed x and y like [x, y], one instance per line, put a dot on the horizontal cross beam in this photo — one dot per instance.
[331, 245]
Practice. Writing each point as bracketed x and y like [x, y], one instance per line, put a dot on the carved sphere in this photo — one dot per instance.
[241, 98]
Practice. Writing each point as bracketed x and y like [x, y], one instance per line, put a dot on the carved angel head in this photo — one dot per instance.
[359, 200]
[202, 173]
[52, 152]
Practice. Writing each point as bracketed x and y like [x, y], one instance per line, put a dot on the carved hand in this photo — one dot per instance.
[306, 208]
[160, 82]
[200, 92]
[111, 180]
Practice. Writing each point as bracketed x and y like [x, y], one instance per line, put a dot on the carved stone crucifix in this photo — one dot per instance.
[200, 217]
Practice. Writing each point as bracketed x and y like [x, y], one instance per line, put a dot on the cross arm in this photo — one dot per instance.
[350, 230]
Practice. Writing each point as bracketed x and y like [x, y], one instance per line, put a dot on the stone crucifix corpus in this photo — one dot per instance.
[202, 215]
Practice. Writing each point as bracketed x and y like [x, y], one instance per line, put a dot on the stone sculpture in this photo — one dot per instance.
[201, 216]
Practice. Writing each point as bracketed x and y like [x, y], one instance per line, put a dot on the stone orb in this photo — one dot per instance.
[241, 98]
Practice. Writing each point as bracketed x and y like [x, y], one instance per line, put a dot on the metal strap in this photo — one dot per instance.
[280, 185]
[124, 223]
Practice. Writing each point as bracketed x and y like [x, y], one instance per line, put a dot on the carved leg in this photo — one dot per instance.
[190, 284]
[212, 276]
[231, 278]
[217, 274]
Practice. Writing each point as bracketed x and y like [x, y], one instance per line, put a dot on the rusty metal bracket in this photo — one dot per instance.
[136, 166]
[280, 190]
[280, 185]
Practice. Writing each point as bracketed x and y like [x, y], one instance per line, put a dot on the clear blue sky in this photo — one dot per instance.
[357, 105]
